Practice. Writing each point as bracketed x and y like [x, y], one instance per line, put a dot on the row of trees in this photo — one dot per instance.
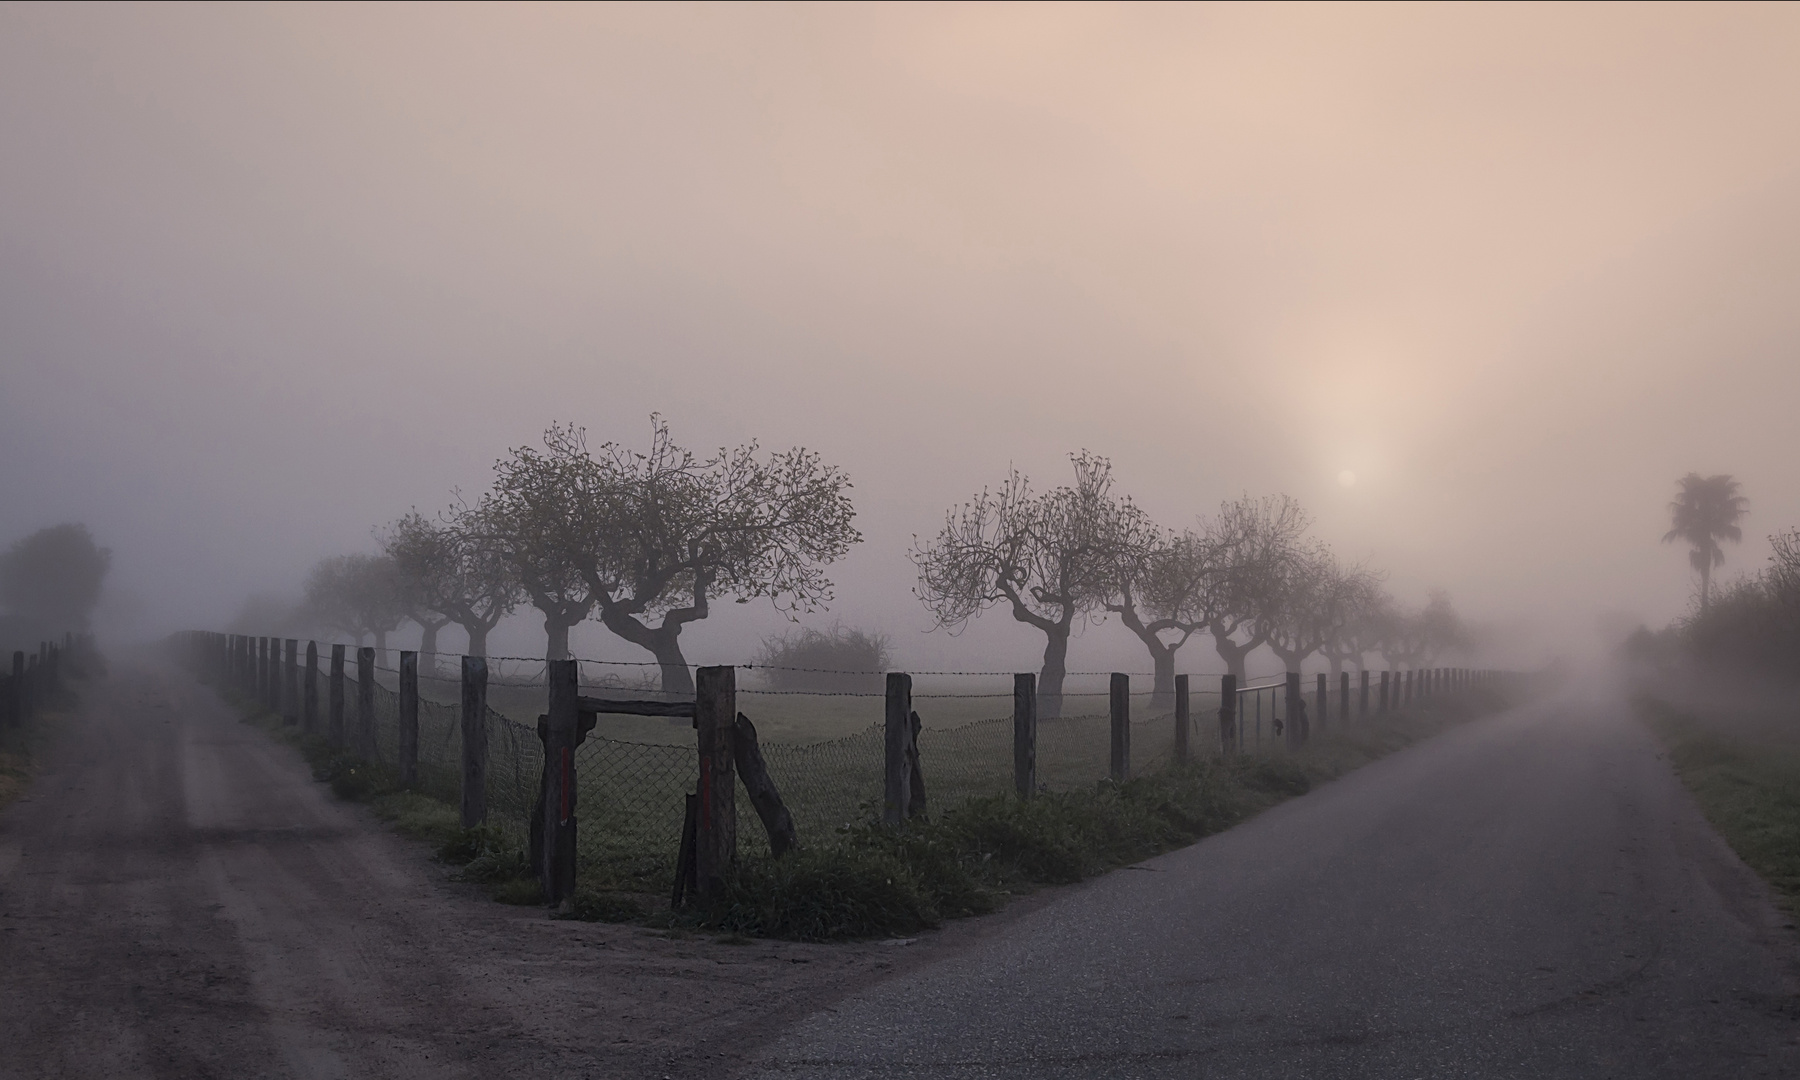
[1250, 576]
[645, 542]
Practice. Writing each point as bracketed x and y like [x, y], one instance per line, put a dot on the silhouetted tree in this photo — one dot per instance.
[534, 519]
[449, 574]
[1050, 558]
[1255, 540]
[358, 595]
[1165, 591]
[50, 580]
[1705, 511]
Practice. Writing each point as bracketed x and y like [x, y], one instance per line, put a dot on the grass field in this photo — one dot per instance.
[1743, 766]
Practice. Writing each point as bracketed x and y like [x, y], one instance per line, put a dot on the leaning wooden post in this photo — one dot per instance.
[409, 718]
[1296, 705]
[1181, 719]
[365, 702]
[897, 776]
[474, 741]
[1228, 718]
[1025, 735]
[309, 684]
[563, 726]
[334, 731]
[1121, 726]
[1323, 695]
[715, 823]
[290, 694]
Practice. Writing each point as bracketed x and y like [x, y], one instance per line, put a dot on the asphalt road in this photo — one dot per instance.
[1533, 895]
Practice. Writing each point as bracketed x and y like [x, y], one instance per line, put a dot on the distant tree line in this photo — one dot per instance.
[1246, 578]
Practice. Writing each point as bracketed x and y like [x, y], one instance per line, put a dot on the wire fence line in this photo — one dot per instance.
[827, 752]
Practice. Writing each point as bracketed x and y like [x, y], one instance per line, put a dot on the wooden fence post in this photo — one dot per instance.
[309, 685]
[409, 718]
[1025, 735]
[897, 776]
[365, 702]
[1181, 719]
[563, 725]
[1296, 705]
[1323, 694]
[1362, 695]
[1120, 695]
[474, 741]
[334, 731]
[1228, 715]
[290, 695]
[715, 824]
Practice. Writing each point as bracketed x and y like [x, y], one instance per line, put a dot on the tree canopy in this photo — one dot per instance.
[50, 580]
[1706, 510]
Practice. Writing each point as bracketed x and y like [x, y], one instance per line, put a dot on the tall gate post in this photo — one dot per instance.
[1025, 735]
[334, 730]
[715, 823]
[309, 708]
[365, 702]
[562, 726]
[474, 741]
[409, 718]
[1181, 719]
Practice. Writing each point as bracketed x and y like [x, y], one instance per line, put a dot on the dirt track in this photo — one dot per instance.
[179, 898]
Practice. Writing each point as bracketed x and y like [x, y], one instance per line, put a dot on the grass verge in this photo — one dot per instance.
[1747, 786]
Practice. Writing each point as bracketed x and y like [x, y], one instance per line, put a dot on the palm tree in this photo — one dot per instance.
[1705, 511]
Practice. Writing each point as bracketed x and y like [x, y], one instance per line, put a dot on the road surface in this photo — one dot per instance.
[1531, 895]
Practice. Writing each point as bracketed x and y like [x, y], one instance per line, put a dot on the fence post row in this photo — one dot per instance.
[1181, 719]
[474, 741]
[365, 702]
[1025, 735]
[715, 818]
[1228, 715]
[1120, 695]
[556, 859]
[409, 718]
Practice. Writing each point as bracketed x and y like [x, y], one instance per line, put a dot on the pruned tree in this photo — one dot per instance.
[1318, 599]
[449, 573]
[1358, 631]
[1705, 511]
[1254, 541]
[666, 532]
[533, 519]
[1050, 558]
[358, 595]
[50, 580]
[1441, 629]
[1165, 591]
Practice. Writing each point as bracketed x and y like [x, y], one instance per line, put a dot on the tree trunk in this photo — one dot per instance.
[1162, 695]
[1337, 669]
[1050, 681]
[381, 657]
[556, 633]
[428, 647]
[477, 639]
[677, 677]
[1234, 656]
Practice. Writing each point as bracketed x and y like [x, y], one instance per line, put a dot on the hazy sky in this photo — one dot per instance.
[269, 276]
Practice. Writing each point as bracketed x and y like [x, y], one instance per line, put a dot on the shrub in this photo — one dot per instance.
[836, 661]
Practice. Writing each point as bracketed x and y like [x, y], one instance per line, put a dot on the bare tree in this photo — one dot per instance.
[1358, 628]
[1319, 599]
[358, 595]
[450, 573]
[1254, 539]
[668, 532]
[1165, 591]
[532, 519]
[1050, 559]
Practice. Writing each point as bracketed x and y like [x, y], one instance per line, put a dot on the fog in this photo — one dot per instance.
[270, 277]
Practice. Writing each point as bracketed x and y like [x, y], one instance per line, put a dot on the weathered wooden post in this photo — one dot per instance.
[1025, 735]
[309, 707]
[1362, 697]
[409, 718]
[1228, 715]
[562, 729]
[715, 824]
[1121, 726]
[1181, 719]
[365, 702]
[334, 731]
[1296, 706]
[1344, 698]
[290, 695]
[897, 776]
[1322, 694]
[474, 741]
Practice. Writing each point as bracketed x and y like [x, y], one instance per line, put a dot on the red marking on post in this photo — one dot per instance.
[568, 777]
